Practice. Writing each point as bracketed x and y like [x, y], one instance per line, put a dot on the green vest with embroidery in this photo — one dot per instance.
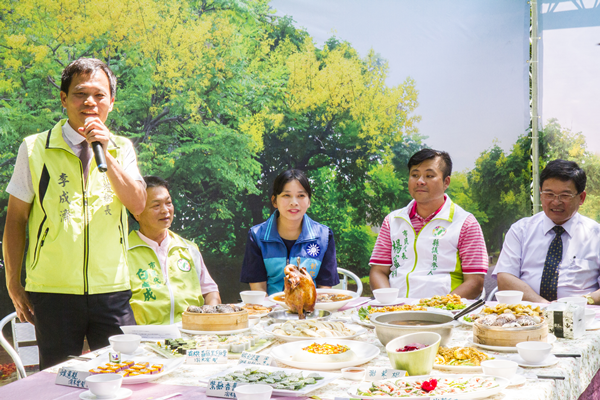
[428, 263]
[157, 299]
[77, 241]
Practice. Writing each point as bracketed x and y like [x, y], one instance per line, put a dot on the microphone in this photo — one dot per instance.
[98, 153]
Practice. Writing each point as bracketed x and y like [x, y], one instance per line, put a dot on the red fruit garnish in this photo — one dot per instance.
[429, 385]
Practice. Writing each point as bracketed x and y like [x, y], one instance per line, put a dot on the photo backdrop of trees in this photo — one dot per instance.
[220, 96]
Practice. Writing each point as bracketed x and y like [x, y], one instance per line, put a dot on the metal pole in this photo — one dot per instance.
[534, 108]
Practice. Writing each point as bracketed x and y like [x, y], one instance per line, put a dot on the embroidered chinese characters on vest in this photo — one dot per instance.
[426, 264]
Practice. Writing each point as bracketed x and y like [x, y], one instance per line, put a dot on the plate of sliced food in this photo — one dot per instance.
[455, 386]
[460, 359]
[138, 369]
[285, 382]
[450, 302]
[257, 310]
[362, 317]
[295, 330]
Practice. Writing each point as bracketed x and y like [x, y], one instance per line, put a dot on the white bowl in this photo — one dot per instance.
[581, 301]
[253, 296]
[590, 316]
[509, 296]
[253, 392]
[503, 368]
[534, 352]
[386, 295]
[126, 344]
[104, 386]
[354, 373]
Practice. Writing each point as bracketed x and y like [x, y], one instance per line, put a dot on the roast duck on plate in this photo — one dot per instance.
[299, 289]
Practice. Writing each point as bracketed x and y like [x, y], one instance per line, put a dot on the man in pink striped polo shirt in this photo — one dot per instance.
[432, 246]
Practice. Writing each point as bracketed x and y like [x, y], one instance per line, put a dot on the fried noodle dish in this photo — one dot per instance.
[460, 356]
[449, 302]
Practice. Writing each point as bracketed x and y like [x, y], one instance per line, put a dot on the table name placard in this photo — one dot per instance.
[217, 388]
[206, 356]
[442, 398]
[254, 359]
[377, 374]
[71, 377]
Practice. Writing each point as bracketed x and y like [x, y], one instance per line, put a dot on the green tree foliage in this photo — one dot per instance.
[218, 96]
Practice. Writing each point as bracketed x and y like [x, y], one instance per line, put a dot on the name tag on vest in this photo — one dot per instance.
[213, 356]
[255, 359]
[71, 377]
[217, 388]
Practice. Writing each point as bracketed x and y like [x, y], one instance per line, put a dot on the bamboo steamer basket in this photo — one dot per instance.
[214, 321]
[509, 337]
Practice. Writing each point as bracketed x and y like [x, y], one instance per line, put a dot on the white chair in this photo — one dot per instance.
[344, 281]
[25, 350]
[492, 294]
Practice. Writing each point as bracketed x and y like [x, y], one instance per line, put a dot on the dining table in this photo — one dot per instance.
[581, 377]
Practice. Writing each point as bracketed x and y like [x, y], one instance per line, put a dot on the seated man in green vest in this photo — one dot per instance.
[167, 272]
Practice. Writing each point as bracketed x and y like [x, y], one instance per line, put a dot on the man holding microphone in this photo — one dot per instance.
[77, 281]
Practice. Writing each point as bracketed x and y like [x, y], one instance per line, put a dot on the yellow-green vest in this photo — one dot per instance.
[156, 299]
[77, 243]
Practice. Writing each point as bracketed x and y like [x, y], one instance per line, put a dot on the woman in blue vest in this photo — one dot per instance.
[288, 234]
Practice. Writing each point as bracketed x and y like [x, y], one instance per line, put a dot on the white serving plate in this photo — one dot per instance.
[376, 303]
[463, 322]
[333, 306]
[169, 365]
[594, 325]
[328, 377]
[365, 352]
[358, 330]
[355, 318]
[458, 369]
[507, 349]
[480, 394]
[546, 362]
[121, 394]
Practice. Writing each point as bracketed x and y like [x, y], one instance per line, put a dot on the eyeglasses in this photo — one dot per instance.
[563, 197]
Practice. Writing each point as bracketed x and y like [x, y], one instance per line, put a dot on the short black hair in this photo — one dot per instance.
[564, 170]
[290, 175]
[429, 154]
[155, 181]
[86, 66]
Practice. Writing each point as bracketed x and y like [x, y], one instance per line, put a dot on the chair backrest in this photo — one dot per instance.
[344, 281]
[24, 350]
[25, 342]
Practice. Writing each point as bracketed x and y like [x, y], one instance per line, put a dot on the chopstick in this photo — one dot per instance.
[566, 355]
[472, 307]
[556, 377]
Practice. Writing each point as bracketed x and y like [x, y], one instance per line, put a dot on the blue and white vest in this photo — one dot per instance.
[310, 247]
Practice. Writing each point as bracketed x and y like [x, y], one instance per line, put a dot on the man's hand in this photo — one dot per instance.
[96, 131]
[21, 302]
[508, 281]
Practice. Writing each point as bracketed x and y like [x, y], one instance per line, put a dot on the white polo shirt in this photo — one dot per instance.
[527, 242]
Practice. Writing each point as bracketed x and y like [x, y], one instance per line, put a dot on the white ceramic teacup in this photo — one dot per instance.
[104, 386]
[509, 296]
[386, 295]
[252, 296]
[126, 344]
[354, 373]
[534, 352]
[253, 392]
[503, 368]
[580, 301]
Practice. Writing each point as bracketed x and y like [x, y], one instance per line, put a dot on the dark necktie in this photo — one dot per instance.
[84, 156]
[549, 282]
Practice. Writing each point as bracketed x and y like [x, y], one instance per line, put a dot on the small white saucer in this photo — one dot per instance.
[376, 303]
[595, 325]
[517, 380]
[547, 362]
[122, 393]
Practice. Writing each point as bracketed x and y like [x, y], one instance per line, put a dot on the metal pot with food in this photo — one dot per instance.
[391, 325]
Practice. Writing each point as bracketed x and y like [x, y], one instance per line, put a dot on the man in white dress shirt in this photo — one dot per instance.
[540, 264]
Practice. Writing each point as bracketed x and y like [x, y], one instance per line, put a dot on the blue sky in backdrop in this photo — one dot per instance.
[468, 57]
